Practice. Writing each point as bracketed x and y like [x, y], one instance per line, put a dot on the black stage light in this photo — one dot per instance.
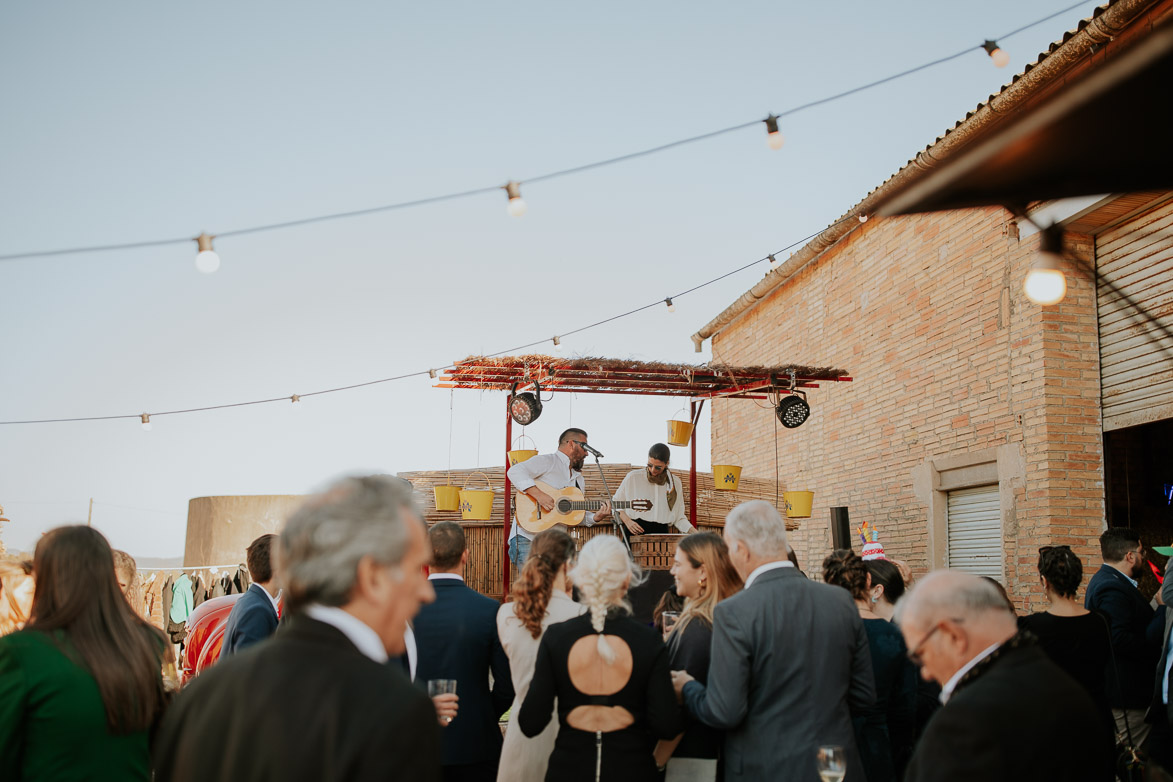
[526, 407]
[792, 411]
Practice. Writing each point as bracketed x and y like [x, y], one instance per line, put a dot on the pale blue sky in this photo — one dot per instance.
[134, 121]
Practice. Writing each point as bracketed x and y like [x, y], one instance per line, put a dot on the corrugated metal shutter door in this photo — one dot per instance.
[1135, 378]
[974, 524]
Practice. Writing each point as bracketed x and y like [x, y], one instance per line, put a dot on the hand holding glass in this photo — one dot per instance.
[832, 763]
[443, 695]
[669, 620]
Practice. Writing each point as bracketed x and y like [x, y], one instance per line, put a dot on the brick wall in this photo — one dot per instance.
[948, 357]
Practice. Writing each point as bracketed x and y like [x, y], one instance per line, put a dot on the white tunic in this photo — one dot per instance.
[636, 486]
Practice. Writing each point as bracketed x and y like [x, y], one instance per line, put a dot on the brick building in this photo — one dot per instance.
[979, 425]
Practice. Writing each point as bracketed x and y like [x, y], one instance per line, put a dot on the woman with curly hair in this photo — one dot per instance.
[1075, 638]
[704, 577]
[81, 686]
[609, 676]
[884, 732]
[541, 597]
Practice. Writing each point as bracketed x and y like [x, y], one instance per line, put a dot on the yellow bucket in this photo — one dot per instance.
[477, 504]
[679, 432]
[447, 497]
[798, 504]
[726, 477]
[519, 455]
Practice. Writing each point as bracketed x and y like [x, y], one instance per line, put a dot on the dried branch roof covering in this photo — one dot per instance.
[594, 374]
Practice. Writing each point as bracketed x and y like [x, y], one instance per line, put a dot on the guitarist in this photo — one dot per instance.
[559, 469]
[656, 483]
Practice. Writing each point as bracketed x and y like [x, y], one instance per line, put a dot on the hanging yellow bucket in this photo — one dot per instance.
[679, 432]
[519, 455]
[726, 477]
[447, 497]
[798, 504]
[477, 504]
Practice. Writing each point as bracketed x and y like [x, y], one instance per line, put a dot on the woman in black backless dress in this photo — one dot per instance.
[610, 676]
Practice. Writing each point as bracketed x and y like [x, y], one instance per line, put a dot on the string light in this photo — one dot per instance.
[146, 419]
[517, 206]
[206, 259]
[773, 262]
[557, 344]
[863, 217]
[295, 400]
[671, 306]
[998, 55]
[432, 374]
[1045, 283]
[774, 138]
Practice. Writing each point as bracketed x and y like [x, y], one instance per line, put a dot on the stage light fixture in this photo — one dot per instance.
[525, 408]
[792, 411]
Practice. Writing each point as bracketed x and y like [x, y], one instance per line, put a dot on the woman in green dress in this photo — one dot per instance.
[81, 684]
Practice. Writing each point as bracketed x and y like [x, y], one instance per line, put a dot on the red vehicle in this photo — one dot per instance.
[205, 635]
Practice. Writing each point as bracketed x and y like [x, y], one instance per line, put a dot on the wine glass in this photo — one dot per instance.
[669, 618]
[832, 763]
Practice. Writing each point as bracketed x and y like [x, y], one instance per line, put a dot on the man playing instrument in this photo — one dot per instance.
[656, 483]
[558, 470]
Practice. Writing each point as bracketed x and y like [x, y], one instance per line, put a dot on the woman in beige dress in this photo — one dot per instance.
[541, 597]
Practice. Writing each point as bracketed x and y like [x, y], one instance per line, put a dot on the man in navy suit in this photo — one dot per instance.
[1136, 628]
[254, 617]
[457, 639]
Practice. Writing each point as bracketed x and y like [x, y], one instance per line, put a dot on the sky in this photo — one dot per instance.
[140, 121]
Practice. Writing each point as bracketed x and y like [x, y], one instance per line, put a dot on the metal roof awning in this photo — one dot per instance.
[1104, 132]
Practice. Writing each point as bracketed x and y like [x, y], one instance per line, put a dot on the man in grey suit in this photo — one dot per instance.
[790, 658]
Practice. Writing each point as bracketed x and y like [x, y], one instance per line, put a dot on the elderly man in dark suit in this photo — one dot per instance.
[1009, 713]
[319, 700]
[457, 640]
[789, 660]
[254, 616]
[1136, 628]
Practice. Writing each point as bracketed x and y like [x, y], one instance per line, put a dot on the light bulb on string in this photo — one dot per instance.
[863, 217]
[432, 374]
[1045, 283]
[206, 259]
[774, 138]
[295, 400]
[999, 55]
[773, 262]
[516, 206]
[557, 344]
[671, 306]
[146, 419]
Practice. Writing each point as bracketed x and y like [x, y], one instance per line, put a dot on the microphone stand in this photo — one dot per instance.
[614, 517]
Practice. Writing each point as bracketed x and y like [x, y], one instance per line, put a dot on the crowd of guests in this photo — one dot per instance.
[386, 665]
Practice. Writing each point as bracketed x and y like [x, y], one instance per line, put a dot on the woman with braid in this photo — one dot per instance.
[541, 597]
[609, 676]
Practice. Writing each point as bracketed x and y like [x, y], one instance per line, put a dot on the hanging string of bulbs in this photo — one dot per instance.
[433, 372]
[208, 261]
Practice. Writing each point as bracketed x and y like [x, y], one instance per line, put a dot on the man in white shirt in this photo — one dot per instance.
[558, 470]
[319, 694]
[664, 490]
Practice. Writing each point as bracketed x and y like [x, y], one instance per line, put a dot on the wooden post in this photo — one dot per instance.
[507, 505]
[692, 470]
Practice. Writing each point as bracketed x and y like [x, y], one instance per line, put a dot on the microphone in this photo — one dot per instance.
[593, 452]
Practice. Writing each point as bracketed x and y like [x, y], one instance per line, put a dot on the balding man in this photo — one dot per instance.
[318, 701]
[789, 660]
[1009, 712]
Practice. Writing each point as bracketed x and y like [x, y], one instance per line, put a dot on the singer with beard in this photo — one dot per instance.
[656, 483]
[560, 469]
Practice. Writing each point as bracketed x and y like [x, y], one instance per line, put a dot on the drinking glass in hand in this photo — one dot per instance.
[832, 763]
[669, 620]
[441, 687]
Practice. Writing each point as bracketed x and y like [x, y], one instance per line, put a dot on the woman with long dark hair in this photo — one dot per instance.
[884, 733]
[541, 597]
[704, 577]
[81, 685]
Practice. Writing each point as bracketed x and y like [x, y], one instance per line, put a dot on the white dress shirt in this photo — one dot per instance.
[272, 599]
[358, 631]
[636, 486]
[549, 468]
[947, 690]
[766, 567]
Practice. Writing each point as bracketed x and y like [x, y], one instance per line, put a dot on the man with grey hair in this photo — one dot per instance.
[318, 700]
[1009, 712]
[789, 660]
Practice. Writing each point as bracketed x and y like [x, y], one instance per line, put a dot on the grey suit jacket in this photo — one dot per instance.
[790, 657]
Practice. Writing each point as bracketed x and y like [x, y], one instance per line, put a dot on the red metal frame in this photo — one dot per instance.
[558, 375]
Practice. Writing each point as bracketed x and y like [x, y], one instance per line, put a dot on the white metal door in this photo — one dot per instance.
[974, 527]
[1135, 378]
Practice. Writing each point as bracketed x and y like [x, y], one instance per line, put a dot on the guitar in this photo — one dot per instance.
[569, 508]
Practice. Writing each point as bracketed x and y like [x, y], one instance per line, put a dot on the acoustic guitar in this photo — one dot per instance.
[569, 508]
